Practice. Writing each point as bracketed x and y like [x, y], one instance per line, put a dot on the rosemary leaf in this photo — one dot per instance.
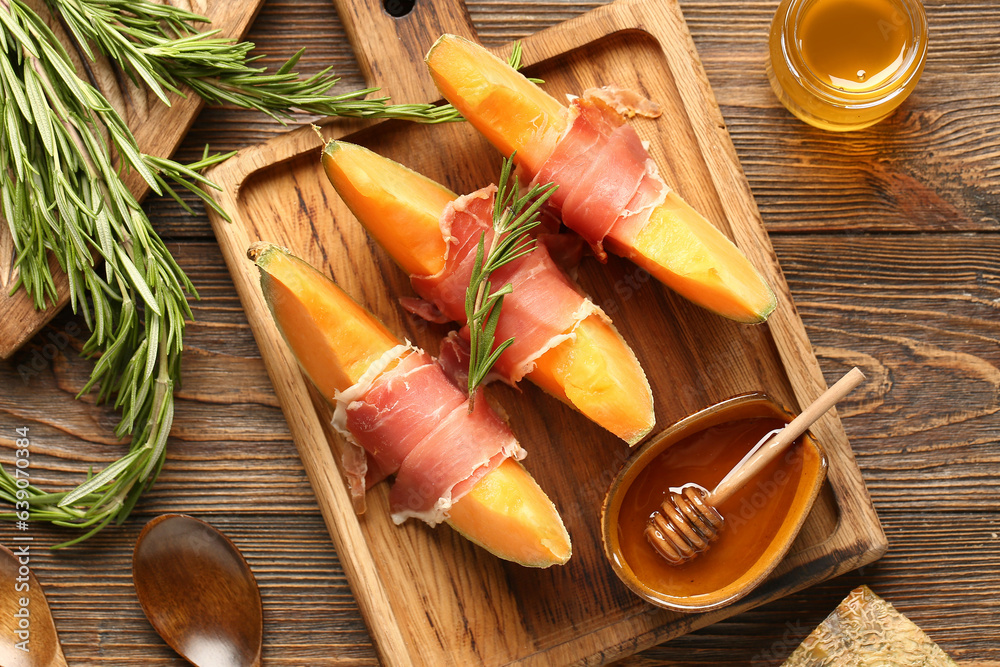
[514, 217]
[160, 45]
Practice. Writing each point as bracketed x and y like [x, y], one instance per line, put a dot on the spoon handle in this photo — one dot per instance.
[770, 450]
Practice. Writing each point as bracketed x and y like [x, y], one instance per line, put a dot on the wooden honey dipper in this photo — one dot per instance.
[687, 521]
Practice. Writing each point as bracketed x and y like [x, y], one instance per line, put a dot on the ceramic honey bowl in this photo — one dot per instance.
[762, 518]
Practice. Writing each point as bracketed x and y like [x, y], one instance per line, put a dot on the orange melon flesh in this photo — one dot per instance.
[688, 254]
[335, 340]
[400, 208]
[596, 372]
[508, 507]
[677, 246]
[511, 112]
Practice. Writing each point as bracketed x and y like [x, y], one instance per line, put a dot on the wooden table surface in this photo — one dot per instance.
[889, 239]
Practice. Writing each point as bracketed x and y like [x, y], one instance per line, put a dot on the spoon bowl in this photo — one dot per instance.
[198, 592]
[25, 617]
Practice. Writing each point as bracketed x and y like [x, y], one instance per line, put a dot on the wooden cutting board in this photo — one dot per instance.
[158, 129]
[429, 597]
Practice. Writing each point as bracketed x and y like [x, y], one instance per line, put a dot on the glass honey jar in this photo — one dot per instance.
[846, 64]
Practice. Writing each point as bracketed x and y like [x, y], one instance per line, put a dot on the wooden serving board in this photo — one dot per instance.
[158, 129]
[429, 597]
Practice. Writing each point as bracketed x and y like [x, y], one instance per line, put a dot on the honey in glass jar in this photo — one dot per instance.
[846, 64]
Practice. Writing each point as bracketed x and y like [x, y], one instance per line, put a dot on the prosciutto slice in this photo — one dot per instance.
[406, 417]
[608, 183]
[542, 311]
[445, 466]
[625, 101]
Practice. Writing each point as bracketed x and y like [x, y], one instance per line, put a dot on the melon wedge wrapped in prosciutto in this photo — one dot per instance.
[563, 342]
[610, 191]
[544, 308]
[409, 419]
[403, 416]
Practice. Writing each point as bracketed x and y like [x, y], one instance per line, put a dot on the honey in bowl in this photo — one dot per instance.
[761, 519]
[846, 64]
[854, 44]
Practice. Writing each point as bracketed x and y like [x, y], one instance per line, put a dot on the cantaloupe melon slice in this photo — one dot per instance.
[866, 631]
[595, 372]
[678, 245]
[509, 515]
[335, 340]
[400, 208]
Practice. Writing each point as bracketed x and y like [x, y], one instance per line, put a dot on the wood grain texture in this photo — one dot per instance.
[232, 463]
[426, 599]
[387, 47]
[158, 130]
[917, 305]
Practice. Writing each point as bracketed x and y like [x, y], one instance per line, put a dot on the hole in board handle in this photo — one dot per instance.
[398, 8]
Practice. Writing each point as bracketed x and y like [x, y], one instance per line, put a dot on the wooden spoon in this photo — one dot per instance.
[25, 617]
[198, 592]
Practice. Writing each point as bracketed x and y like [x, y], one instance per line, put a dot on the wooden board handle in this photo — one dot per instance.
[390, 49]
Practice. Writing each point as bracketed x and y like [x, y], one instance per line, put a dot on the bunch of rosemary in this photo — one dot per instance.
[63, 194]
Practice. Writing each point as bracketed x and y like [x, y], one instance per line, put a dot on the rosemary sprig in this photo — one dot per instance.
[62, 194]
[514, 217]
[159, 45]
